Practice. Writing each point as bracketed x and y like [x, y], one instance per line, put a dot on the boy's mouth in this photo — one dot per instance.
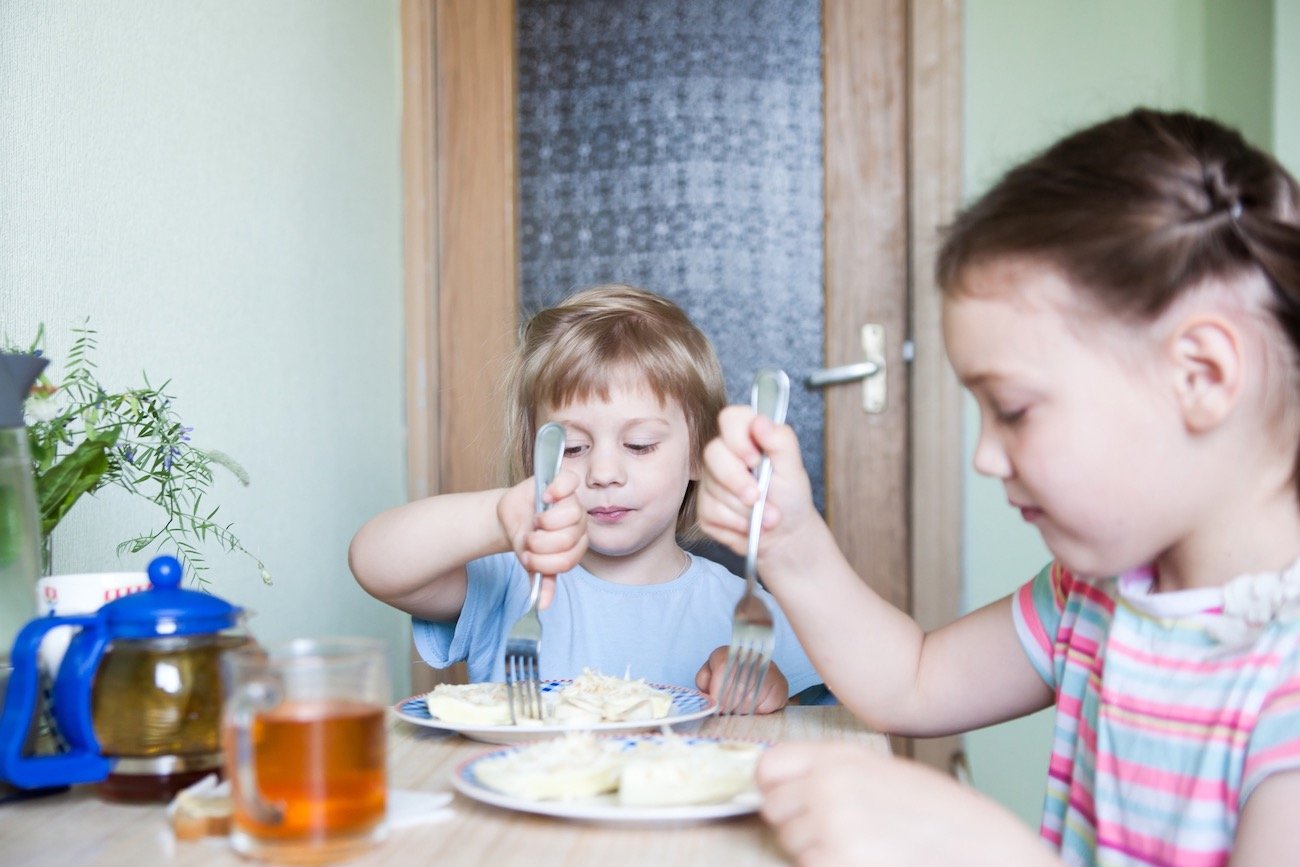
[608, 514]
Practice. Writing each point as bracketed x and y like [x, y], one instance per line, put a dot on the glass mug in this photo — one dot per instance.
[305, 747]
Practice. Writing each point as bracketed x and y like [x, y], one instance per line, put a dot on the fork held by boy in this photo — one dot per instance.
[523, 643]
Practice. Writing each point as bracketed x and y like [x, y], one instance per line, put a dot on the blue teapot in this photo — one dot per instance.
[137, 697]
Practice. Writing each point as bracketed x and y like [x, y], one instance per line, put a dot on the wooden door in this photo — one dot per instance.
[892, 174]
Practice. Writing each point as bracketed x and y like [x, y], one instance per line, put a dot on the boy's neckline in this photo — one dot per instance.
[685, 561]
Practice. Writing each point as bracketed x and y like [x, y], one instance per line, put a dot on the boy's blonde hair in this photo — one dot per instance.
[581, 346]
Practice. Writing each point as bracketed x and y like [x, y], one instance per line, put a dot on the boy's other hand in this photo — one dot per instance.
[549, 542]
[772, 695]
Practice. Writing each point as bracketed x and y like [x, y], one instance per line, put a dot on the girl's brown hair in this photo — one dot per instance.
[1139, 209]
[578, 349]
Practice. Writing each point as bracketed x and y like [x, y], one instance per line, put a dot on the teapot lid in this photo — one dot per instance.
[166, 608]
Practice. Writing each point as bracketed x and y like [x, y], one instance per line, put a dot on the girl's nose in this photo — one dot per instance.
[605, 468]
[990, 457]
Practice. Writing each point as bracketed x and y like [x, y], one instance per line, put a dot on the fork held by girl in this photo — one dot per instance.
[1125, 309]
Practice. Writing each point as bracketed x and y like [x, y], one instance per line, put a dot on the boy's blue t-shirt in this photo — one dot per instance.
[660, 632]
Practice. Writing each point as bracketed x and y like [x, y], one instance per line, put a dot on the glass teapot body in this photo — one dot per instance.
[137, 698]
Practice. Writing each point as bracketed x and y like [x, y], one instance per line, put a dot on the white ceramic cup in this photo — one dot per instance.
[85, 593]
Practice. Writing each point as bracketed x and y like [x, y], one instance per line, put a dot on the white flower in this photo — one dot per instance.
[41, 409]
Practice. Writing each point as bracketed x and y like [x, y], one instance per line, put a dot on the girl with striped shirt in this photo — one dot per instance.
[1125, 310]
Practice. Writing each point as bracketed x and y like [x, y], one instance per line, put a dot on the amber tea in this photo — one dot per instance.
[305, 749]
[320, 769]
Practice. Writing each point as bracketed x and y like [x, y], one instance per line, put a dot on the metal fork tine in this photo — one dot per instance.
[750, 652]
[520, 662]
[727, 697]
[756, 689]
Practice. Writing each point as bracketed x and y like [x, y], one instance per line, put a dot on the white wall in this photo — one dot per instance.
[216, 185]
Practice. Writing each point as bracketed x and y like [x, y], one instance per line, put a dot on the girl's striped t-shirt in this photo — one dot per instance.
[1163, 726]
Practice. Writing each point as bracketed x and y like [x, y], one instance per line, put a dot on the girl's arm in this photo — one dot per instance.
[875, 658]
[413, 556]
[1267, 830]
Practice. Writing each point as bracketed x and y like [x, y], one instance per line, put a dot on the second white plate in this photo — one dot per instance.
[688, 705]
[604, 809]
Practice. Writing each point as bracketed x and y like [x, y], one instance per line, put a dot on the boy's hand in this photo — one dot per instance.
[729, 490]
[839, 803]
[772, 694]
[550, 542]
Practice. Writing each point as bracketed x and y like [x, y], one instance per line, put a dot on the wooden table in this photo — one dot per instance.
[78, 828]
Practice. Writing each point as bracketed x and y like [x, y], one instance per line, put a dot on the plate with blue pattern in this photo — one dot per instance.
[603, 809]
[688, 705]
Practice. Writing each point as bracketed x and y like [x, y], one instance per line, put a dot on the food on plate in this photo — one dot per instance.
[665, 771]
[595, 697]
[588, 699]
[676, 772]
[574, 766]
[471, 704]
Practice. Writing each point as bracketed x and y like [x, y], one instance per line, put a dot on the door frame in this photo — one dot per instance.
[461, 266]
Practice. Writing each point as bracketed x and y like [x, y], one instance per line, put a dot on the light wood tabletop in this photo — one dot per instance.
[79, 828]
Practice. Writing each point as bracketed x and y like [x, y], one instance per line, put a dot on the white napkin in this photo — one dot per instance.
[407, 807]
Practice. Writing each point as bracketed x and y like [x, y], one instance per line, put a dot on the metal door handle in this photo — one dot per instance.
[871, 370]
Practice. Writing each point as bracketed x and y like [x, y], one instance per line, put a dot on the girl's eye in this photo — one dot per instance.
[1009, 417]
[574, 451]
[641, 448]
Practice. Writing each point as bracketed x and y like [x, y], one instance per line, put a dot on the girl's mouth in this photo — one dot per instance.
[1030, 514]
[608, 514]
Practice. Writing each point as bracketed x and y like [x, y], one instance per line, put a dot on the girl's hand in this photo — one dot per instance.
[839, 803]
[550, 542]
[772, 694]
[728, 489]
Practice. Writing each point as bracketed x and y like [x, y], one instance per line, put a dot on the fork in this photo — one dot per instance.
[752, 638]
[523, 685]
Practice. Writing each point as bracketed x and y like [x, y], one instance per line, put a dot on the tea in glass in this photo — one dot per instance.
[305, 747]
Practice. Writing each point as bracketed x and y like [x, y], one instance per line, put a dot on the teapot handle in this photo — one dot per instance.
[83, 762]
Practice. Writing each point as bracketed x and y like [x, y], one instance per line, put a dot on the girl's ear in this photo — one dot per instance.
[1208, 363]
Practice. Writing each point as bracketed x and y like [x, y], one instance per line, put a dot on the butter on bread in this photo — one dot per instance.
[674, 772]
[574, 766]
[479, 704]
[205, 809]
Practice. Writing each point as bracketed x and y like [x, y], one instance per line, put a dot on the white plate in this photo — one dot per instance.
[602, 808]
[688, 705]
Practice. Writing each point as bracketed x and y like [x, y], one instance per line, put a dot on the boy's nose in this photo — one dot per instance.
[604, 468]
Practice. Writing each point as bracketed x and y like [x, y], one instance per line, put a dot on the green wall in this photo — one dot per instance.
[216, 184]
[1035, 70]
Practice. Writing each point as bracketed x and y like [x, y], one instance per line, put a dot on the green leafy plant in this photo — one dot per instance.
[84, 438]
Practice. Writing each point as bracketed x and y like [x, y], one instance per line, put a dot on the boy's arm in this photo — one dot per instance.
[413, 556]
[875, 658]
